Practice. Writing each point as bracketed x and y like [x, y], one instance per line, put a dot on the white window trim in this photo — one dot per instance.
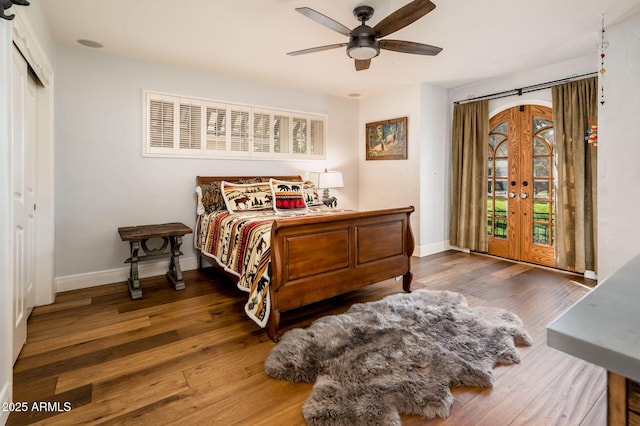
[228, 152]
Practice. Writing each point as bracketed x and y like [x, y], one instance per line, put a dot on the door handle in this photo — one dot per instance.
[512, 194]
[523, 195]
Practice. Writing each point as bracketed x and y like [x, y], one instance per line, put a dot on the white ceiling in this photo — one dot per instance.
[250, 38]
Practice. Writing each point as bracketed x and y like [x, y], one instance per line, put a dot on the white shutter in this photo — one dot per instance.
[281, 134]
[316, 137]
[190, 125]
[239, 130]
[300, 136]
[216, 126]
[160, 124]
[261, 132]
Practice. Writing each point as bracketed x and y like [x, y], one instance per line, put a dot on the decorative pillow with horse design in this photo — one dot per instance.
[247, 197]
[288, 195]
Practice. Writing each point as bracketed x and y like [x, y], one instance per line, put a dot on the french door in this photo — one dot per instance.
[521, 190]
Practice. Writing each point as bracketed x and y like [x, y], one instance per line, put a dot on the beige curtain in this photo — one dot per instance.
[470, 134]
[574, 105]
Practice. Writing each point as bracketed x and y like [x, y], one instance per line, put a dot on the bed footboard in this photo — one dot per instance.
[320, 257]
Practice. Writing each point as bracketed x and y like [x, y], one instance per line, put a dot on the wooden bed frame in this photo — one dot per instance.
[315, 258]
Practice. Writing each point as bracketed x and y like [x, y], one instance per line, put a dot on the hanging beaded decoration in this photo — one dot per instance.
[602, 46]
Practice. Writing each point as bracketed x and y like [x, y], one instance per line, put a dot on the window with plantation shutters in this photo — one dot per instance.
[190, 126]
[261, 132]
[160, 124]
[316, 137]
[187, 127]
[308, 136]
[216, 128]
[299, 135]
[239, 130]
[281, 136]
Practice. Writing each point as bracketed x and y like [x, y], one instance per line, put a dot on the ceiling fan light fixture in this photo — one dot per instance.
[362, 53]
[363, 49]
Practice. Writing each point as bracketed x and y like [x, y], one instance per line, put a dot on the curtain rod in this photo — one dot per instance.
[526, 89]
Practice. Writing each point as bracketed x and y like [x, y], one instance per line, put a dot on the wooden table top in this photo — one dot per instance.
[135, 233]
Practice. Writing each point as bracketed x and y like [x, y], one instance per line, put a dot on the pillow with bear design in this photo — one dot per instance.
[288, 195]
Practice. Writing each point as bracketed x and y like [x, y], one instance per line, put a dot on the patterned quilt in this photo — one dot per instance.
[240, 243]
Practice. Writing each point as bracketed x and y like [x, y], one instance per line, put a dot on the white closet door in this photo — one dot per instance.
[23, 203]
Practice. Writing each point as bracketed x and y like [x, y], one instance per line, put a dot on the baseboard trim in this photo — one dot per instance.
[145, 269]
[460, 249]
[5, 400]
[152, 269]
[433, 248]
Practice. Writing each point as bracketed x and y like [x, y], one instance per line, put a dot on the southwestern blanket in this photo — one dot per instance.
[240, 243]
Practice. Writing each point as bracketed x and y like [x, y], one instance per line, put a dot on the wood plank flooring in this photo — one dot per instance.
[192, 356]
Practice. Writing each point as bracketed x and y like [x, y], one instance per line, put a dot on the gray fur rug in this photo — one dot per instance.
[399, 355]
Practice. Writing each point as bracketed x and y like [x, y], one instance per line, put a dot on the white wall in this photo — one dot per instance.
[435, 170]
[101, 180]
[420, 179]
[619, 150]
[391, 183]
[6, 287]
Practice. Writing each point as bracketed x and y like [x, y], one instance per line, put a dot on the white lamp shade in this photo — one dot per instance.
[326, 179]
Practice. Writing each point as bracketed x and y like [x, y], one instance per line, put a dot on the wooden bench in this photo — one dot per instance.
[137, 236]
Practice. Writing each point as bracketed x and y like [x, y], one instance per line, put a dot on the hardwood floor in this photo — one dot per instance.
[193, 357]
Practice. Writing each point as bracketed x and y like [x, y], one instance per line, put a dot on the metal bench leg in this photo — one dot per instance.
[175, 273]
[134, 281]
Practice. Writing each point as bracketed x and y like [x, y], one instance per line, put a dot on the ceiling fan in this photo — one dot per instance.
[364, 41]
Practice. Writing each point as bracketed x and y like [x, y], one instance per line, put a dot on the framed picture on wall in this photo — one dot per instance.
[387, 140]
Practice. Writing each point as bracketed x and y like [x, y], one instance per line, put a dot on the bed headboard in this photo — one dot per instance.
[205, 180]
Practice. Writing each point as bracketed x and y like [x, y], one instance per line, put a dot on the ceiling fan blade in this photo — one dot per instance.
[409, 47]
[316, 49]
[362, 64]
[403, 17]
[324, 20]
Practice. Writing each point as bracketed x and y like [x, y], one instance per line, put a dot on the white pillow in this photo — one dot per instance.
[247, 197]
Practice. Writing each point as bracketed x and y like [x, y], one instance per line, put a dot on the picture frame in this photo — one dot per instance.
[387, 140]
